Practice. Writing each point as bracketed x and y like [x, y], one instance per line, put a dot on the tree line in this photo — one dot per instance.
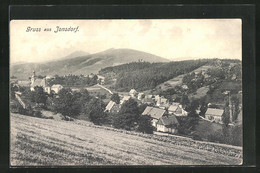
[74, 80]
[145, 75]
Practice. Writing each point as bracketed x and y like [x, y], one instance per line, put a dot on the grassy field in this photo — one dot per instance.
[201, 92]
[50, 142]
[205, 128]
[178, 80]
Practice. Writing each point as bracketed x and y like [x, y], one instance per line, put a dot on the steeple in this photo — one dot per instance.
[33, 78]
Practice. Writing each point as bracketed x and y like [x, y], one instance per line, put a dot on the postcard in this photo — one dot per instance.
[126, 92]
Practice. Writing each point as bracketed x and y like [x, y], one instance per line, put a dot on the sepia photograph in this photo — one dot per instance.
[122, 92]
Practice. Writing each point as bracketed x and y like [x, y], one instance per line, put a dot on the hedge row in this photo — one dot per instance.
[181, 141]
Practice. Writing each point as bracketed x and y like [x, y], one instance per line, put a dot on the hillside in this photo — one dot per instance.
[52, 142]
[144, 76]
[74, 64]
[178, 80]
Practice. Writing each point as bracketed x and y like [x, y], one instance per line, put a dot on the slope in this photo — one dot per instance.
[48, 142]
[83, 64]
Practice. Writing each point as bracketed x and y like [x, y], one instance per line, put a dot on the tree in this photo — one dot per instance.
[40, 76]
[95, 111]
[39, 96]
[235, 107]
[83, 97]
[203, 108]
[66, 103]
[142, 107]
[13, 89]
[145, 125]
[184, 100]
[128, 115]
[226, 114]
[192, 107]
[93, 80]
[115, 98]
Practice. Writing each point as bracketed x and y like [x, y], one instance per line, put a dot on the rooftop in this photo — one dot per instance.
[215, 112]
[173, 107]
[132, 91]
[110, 105]
[155, 113]
[168, 120]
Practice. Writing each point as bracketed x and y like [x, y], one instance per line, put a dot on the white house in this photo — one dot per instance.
[177, 109]
[125, 98]
[168, 124]
[185, 87]
[132, 92]
[214, 114]
[56, 88]
[112, 107]
[161, 101]
[140, 96]
[101, 79]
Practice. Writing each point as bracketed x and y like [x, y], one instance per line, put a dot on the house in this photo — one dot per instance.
[140, 96]
[177, 109]
[164, 106]
[168, 124]
[132, 92]
[49, 77]
[161, 101]
[125, 98]
[39, 82]
[149, 96]
[213, 114]
[148, 101]
[91, 75]
[173, 107]
[155, 113]
[56, 88]
[101, 79]
[185, 87]
[156, 98]
[112, 107]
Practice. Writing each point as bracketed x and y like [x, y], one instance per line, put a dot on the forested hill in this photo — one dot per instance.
[78, 63]
[145, 75]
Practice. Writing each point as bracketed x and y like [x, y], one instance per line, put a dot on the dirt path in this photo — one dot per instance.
[105, 88]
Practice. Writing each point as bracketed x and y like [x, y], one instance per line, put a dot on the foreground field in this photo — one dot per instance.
[49, 142]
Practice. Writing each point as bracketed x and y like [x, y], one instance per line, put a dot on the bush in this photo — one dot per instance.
[145, 125]
[15, 107]
[232, 136]
[67, 118]
[128, 116]
[37, 114]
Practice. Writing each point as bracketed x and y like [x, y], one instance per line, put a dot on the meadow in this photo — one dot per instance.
[53, 142]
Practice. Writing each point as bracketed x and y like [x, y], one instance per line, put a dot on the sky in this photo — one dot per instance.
[174, 39]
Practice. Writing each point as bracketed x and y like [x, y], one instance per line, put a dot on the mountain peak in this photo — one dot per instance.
[80, 62]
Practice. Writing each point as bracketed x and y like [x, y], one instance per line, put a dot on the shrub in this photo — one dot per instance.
[145, 125]
[15, 107]
[37, 114]
[67, 118]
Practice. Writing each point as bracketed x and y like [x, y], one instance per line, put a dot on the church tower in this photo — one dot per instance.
[33, 78]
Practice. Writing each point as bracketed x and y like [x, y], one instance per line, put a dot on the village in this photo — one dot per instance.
[165, 115]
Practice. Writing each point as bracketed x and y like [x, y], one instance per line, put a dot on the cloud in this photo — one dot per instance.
[168, 38]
